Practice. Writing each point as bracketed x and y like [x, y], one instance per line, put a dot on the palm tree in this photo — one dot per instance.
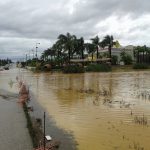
[79, 47]
[90, 48]
[108, 41]
[44, 55]
[96, 43]
[67, 43]
[82, 46]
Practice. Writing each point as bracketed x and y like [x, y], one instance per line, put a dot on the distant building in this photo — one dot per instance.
[117, 51]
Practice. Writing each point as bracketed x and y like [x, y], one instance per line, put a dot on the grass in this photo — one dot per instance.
[34, 130]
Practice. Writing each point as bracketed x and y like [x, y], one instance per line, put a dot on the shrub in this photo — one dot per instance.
[73, 69]
[114, 60]
[140, 66]
[126, 58]
[98, 68]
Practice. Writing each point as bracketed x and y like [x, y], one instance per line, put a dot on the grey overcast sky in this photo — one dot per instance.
[25, 22]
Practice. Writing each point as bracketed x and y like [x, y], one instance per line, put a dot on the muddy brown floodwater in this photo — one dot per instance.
[103, 111]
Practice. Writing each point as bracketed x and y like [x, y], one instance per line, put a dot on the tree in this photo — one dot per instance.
[114, 60]
[67, 43]
[96, 43]
[90, 48]
[126, 58]
[142, 54]
[81, 47]
[108, 41]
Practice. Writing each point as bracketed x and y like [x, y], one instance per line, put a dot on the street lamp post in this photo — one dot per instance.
[29, 54]
[33, 52]
[26, 59]
[36, 49]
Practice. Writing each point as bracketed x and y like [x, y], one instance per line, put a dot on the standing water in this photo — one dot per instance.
[103, 111]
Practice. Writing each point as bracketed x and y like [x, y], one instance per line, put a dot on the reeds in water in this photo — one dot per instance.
[141, 120]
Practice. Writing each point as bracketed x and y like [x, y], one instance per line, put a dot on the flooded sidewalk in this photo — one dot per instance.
[14, 134]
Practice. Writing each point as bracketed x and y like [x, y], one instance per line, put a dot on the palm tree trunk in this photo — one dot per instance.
[146, 57]
[82, 54]
[137, 57]
[97, 52]
[69, 54]
[143, 57]
[92, 56]
[110, 53]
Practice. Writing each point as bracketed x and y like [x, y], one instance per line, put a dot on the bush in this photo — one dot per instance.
[98, 68]
[73, 69]
[126, 58]
[140, 66]
[114, 60]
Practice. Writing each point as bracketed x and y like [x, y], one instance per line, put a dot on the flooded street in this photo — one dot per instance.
[107, 111]
[100, 109]
[14, 134]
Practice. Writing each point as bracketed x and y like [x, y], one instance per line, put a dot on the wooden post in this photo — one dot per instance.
[44, 131]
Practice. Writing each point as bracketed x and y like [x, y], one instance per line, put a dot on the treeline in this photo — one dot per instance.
[67, 46]
[5, 61]
[142, 54]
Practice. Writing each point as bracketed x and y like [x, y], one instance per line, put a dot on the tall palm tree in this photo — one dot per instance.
[45, 54]
[108, 41]
[96, 43]
[67, 43]
[57, 49]
[82, 46]
[79, 47]
[90, 48]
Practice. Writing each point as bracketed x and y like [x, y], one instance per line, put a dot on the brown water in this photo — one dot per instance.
[101, 110]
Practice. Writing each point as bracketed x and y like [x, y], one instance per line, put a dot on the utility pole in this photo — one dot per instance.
[36, 53]
[29, 54]
[33, 52]
[26, 59]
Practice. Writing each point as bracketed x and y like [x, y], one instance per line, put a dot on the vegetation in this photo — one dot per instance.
[73, 69]
[114, 60]
[140, 66]
[142, 54]
[4, 62]
[142, 120]
[68, 46]
[30, 126]
[96, 44]
[126, 58]
[108, 41]
[98, 68]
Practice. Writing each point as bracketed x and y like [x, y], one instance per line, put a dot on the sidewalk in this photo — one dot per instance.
[13, 131]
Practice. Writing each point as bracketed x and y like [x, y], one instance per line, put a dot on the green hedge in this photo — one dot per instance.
[98, 68]
[73, 69]
[140, 66]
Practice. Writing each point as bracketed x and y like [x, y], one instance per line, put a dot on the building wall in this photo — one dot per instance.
[117, 52]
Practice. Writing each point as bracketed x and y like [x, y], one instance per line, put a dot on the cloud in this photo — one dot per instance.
[23, 23]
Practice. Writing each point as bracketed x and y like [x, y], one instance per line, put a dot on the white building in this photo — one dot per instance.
[117, 51]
